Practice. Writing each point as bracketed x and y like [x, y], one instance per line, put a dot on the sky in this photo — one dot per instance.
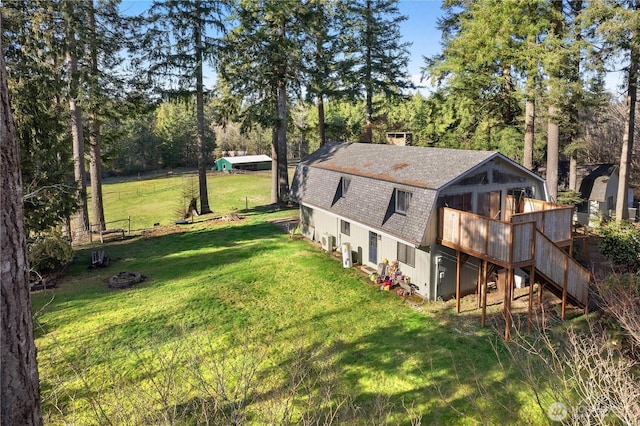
[420, 29]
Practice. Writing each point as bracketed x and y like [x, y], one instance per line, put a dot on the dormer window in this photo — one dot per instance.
[344, 185]
[403, 199]
[341, 188]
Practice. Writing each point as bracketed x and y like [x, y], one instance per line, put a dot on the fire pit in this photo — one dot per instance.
[125, 279]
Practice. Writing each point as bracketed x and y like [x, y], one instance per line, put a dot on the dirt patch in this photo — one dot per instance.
[287, 224]
[125, 279]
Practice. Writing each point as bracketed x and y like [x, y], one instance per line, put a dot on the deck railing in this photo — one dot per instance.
[503, 243]
[518, 244]
[558, 266]
[553, 220]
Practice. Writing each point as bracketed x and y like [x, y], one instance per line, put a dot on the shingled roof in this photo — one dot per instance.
[375, 172]
[593, 180]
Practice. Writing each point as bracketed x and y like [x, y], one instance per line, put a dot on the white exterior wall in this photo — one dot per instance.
[434, 279]
[323, 222]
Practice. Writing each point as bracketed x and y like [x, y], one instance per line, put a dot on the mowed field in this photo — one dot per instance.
[240, 323]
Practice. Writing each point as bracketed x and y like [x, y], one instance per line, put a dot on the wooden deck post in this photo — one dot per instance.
[479, 286]
[483, 292]
[507, 304]
[532, 280]
[540, 288]
[564, 286]
[458, 279]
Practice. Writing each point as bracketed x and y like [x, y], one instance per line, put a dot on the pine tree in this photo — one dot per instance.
[19, 384]
[262, 65]
[618, 26]
[325, 59]
[380, 57]
[34, 57]
[177, 44]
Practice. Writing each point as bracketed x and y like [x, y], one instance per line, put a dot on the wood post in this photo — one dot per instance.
[540, 288]
[458, 279]
[479, 285]
[532, 280]
[485, 269]
[564, 286]
[507, 304]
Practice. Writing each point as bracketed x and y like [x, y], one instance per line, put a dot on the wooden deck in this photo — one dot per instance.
[539, 241]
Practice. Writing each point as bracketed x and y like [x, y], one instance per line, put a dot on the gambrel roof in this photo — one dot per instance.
[375, 172]
[593, 180]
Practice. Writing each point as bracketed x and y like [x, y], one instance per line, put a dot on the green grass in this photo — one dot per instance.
[226, 297]
[157, 200]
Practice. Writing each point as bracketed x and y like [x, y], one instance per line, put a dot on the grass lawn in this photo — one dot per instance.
[238, 322]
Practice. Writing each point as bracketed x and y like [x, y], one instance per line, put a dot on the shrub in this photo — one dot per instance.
[49, 252]
[620, 243]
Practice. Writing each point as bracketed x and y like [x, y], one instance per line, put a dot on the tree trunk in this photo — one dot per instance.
[80, 220]
[321, 124]
[367, 79]
[19, 383]
[283, 173]
[553, 147]
[202, 159]
[529, 111]
[529, 132]
[573, 172]
[274, 165]
[507, 92]
[553, 128]
[95, 172]
[95, 160]
[622, 211]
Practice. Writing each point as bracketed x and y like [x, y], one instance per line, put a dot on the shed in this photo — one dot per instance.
[244, 162]
[444, 214]
[598, 187]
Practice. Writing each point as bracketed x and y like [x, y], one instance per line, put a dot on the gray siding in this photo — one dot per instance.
[375, 173]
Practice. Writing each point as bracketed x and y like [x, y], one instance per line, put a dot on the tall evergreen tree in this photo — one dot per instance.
[105, 38]
[325, 59]
[381, 58]
[74, 19]
[618, 28]
[177, 43]
[262, 65]
[489, 46]
[19, 384]
[34, 54]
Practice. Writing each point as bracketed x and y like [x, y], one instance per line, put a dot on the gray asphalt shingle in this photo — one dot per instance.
[376, 171]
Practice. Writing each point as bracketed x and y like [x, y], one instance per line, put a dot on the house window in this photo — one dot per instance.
[345, 227]
[344, 185]
[403, 199]
[407, 254]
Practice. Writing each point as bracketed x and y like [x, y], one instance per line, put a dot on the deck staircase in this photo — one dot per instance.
[537, 241]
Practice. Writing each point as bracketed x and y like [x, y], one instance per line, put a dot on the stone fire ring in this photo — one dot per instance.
[125, 279]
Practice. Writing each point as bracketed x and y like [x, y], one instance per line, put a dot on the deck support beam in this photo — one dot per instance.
[532, 280]
[507, 304]
[564, 286]
[485, 267]
[458, 279]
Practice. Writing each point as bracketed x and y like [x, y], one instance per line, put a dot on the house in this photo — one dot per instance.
[444, 214]
[243, 162]
[598, 187]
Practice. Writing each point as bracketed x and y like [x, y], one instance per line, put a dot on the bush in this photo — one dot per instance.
[620, 243]
[49, 252]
